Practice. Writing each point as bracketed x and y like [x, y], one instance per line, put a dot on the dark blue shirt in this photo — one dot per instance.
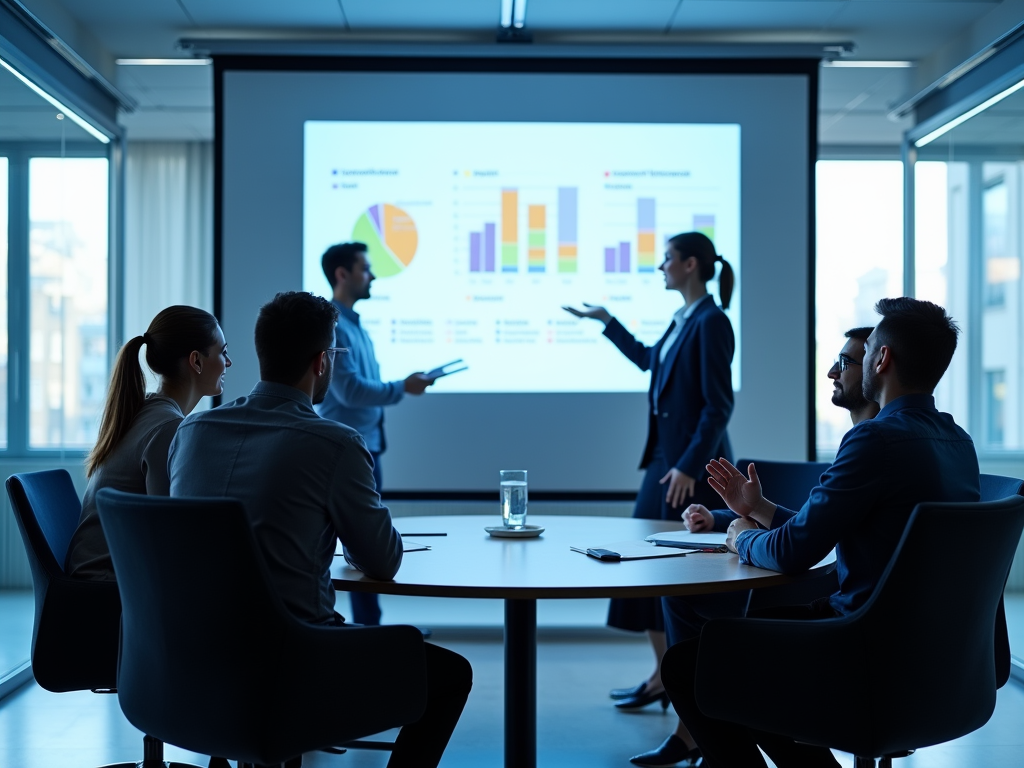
[908, 454]
[306, 482]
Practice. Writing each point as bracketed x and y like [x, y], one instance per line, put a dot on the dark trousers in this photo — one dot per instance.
[366, 605]
[449, 679]
[730, 745]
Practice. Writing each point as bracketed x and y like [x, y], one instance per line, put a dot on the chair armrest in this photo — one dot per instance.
[782, 676]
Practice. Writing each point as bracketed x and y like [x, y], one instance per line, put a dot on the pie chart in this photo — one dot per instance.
[390, 236]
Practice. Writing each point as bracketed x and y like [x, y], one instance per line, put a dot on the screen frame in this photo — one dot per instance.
[585, 63]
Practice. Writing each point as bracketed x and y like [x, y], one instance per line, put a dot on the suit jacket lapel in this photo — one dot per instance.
[656, 365]
[688, 330]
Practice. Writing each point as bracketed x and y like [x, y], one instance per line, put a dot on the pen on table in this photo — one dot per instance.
[423, 534]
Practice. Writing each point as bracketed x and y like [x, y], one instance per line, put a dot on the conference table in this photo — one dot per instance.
[468, 562]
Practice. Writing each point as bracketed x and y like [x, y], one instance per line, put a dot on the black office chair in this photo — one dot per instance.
[789, 484]
[915, 666]
[77, 622]
[212, 661]
[995, 487]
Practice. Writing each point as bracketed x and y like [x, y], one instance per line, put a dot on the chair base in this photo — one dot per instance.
[883, 762]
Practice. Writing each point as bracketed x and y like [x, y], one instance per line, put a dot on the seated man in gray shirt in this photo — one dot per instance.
[307, 482]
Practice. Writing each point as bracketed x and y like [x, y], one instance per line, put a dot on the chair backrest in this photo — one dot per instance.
[787, 483]
[47, 508]
[928, 630]
[995, 487]
[211, 660]
[74, 635]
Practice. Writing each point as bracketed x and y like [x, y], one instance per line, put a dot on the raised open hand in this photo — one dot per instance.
[741, 495]
[592, 311]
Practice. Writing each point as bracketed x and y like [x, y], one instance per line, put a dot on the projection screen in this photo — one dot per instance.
[492, 192]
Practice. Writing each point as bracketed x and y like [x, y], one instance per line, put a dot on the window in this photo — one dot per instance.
[68, 300]
[4, 237]
[994, 410]
[967, 258]
[54, 256]
[860, 260]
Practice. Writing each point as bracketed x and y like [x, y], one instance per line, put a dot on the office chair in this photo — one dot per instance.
[77, 622]
[914, 666]
[212, 661]
[995, 487]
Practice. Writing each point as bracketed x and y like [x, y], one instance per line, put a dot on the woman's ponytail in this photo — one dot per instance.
[699, 246]
[726, 282]
[125, 398]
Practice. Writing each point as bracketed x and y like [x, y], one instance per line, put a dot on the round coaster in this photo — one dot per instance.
[526, 532]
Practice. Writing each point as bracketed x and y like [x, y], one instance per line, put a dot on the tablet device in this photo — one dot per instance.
[445, 370]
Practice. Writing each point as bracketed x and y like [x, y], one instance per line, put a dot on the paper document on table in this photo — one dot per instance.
[628, 550]
[413, 546]
[683, 539]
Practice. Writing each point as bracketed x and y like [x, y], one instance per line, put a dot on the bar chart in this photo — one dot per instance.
[536, 252]
[568, 233]
[481, 249]
[509, 230]
[645, 232]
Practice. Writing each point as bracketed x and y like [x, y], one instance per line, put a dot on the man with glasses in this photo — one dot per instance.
[307, 482]
[357, 396]
[846, 375]
[908, 454]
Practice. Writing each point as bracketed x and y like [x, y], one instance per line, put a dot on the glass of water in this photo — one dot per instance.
[513, 498]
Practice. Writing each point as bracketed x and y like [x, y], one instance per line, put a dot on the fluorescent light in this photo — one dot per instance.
[519, 16]
[506, 13]
[929, 138]
[163, 62]
[869, 64]
[92, 131]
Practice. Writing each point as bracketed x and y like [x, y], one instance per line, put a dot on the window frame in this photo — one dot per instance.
[974, 158]
[18, 155]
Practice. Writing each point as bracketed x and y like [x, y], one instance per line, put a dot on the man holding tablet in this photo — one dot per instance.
[357, 396]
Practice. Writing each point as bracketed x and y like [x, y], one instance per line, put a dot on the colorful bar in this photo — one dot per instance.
[536, 237]
[474, 251]
[509, 230]
[609, 260]
[568, 210]
[705, 224]
[645, 250]
[489, 247]
[624, 257]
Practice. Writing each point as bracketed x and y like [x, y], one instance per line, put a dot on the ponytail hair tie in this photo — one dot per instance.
[719, 258]
[146, 338]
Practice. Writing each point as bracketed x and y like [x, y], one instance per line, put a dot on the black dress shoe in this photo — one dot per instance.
[672, 751]
[627, 693]
[642, 699]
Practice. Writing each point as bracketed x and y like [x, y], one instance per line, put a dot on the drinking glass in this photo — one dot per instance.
[513, 498]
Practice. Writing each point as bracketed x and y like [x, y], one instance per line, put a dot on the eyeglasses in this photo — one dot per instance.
[332, 351]
[845, 361]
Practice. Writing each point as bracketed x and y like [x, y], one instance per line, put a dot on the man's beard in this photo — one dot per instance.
[843, 399]
[868, 388]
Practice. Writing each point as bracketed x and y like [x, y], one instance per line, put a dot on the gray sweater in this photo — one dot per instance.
[137, 465]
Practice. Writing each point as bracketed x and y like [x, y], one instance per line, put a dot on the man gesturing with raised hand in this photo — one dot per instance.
[908, 454]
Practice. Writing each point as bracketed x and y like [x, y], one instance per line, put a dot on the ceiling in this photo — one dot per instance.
[176, 102]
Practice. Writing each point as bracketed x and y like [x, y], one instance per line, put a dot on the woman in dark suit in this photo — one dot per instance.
[690, 402]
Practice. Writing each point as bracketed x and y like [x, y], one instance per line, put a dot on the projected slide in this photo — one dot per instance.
[479, 232]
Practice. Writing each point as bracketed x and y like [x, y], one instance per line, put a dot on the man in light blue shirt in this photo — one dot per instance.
[357, 395]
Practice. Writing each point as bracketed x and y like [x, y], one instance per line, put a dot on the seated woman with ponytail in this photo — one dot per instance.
[185, 348]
